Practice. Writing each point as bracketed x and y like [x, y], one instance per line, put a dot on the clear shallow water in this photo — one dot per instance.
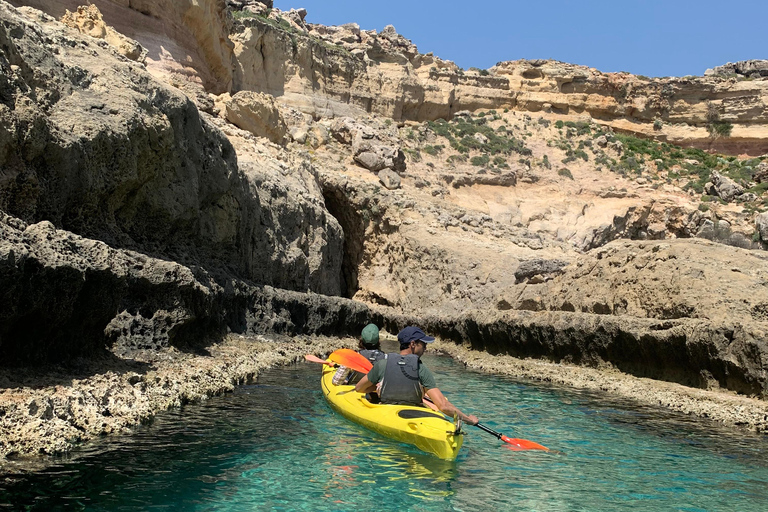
[278, 446]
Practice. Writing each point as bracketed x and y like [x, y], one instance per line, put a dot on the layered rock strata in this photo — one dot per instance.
[66, 296]
[344, 70]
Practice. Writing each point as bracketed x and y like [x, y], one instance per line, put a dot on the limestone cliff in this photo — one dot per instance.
[174, 171]
[333, 71]
[91, 142]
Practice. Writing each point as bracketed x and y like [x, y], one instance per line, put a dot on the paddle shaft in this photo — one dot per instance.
[315, 359]
[490, 431]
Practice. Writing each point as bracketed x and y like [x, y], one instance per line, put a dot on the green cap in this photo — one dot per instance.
[370, 335]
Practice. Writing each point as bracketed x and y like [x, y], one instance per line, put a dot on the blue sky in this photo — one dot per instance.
[651, 37]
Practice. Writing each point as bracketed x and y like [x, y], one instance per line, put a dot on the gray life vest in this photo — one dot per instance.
[372, 355]
[400, 384]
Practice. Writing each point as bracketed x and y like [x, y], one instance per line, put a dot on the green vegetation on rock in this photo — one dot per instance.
[462, 134]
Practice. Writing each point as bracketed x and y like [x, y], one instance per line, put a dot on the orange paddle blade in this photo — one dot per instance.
[351, 359]
[523, 444]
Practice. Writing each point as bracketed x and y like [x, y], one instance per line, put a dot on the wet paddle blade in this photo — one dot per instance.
[351, 359]
[523, 444]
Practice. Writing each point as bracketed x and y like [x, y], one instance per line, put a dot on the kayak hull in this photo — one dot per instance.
[428, 430]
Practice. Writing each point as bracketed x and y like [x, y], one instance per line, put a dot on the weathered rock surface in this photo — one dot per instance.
[89, 21]
[664, 280]
[188, 38]
[384, 73]
[749, 68]
[67, 296]
[258, 114]
[51, 410]
[92, 143]
[725, 187]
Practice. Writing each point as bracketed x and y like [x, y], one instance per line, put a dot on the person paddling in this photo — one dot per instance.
[405, 379]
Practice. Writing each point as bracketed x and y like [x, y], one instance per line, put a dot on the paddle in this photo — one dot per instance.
[315, 359]
[359, 364]
[518, 444]
[351, 359]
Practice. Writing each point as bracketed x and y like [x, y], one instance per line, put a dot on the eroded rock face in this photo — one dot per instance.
[337, 71]
[749, 68]
[258, 114]
[89, 21]
[663, 280]
[187, 38]
[696, 353]
[92, 143]
[67, 296]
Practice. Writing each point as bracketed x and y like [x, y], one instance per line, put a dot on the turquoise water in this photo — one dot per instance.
[277, 445]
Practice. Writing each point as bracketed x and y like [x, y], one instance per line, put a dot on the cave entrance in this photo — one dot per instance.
[353, 223]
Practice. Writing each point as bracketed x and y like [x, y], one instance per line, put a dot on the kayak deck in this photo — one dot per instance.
[428, 430]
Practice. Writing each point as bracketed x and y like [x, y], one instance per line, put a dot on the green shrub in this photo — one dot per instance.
[497, 141]
[480, 160]
[433, 150]
[565, 172]
[759, 188]
[415, 154]
[457, 158]
[720, 129]
[559, 124]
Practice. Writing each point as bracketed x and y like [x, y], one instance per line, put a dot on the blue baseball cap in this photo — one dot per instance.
[412, 333]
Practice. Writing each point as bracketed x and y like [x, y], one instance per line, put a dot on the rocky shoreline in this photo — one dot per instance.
[725, 407]
[50, 411]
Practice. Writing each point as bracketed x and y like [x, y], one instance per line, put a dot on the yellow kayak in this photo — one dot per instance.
[428, 430]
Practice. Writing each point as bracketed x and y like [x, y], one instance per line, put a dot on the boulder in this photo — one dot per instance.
[616, 146]
[370, 160]
[349, 131]
[257, 113]
[318, 136]
[761, 173]
[375, 157]
[761, 224]
[389, 178]
[725, 187]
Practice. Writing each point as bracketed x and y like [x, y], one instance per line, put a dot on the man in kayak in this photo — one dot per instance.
[370, 348]
[405, 379]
